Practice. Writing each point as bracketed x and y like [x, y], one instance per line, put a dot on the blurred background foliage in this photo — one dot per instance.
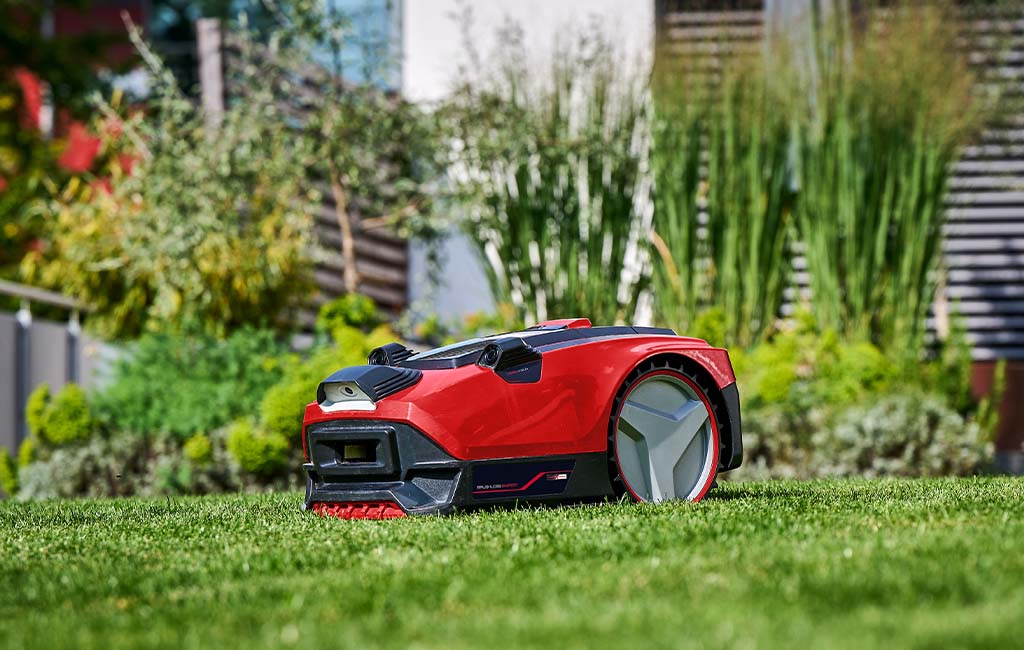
[210, 225]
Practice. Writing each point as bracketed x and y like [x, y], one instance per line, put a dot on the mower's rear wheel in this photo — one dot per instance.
[663, 437]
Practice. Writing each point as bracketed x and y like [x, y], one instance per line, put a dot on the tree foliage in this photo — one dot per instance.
[211, 228]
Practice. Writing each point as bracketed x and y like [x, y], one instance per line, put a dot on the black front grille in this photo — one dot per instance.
[340, 451]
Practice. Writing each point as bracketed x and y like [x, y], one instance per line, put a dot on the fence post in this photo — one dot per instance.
[211, 69]
[23, 366]
[74, 336]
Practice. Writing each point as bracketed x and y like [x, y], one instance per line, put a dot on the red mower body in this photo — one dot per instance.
[520, 416]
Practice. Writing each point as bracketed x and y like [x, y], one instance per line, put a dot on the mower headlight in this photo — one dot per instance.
[345, 396]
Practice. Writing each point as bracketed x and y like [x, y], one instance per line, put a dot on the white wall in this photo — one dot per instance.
[432, 39]
[432, 52]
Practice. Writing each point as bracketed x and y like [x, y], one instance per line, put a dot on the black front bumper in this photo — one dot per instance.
[404, 466]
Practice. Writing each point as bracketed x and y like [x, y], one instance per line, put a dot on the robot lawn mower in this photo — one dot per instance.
[559, 412]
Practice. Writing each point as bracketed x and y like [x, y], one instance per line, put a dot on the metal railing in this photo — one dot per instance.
[23, 342]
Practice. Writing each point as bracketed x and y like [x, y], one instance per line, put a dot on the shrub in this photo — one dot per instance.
[59, 419]
[8, 473]
[901, 435]
[212, 226]
[27, 452]
[709, 325]
[35, 407]
[353, 310]
[125, 465]
[101, 467]
[182, 384]
[198, 449]
[801, 366]
[68, 418]
[263, 454]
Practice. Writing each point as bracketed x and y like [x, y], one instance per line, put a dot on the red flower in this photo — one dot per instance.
[32, 94]
[126, 160]
[81, 150]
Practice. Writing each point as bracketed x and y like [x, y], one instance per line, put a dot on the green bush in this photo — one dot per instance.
[801, 366]
[8, 473]
[60, 419]
[125, 464]
[353, 310]
[709, 325]
[260, 453]
[198, 449]
[100, 467]
[68, 419]
[28, 451]
[35, 407]
[182, 384]
[903, 433]
[907, 434]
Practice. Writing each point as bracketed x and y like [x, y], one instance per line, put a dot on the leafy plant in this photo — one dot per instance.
[263, 454]
[60, 419]
[233, 249]
[35, 408]
[552, 172]
[28, 451]
[68, 418]
[180, 384]
[890, 106]
[8, 473]
[901, 435]
[351, 310]
[198, 449]
[124, 464]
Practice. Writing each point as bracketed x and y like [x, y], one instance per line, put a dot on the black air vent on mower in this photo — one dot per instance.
[391, 354]
[402, 378]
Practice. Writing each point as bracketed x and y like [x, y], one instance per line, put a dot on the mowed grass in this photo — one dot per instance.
[851, 564]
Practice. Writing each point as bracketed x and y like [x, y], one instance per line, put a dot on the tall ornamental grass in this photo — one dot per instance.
[721, 150]
[678, 139]
[749, 201]
[891, 105]
[552, 169]
[840, 150]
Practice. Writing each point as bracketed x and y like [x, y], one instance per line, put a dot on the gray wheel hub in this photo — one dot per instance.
[664, 441]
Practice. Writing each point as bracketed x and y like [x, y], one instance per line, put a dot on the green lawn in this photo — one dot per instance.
[840, 564]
